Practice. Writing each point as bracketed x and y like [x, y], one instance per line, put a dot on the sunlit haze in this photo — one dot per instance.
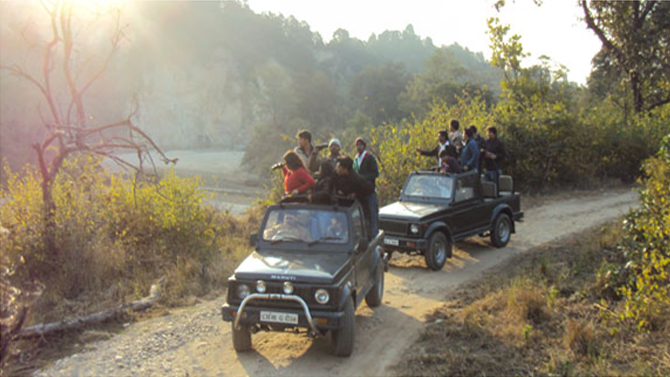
[553, 29]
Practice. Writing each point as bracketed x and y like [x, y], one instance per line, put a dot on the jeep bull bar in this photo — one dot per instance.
[275, 296]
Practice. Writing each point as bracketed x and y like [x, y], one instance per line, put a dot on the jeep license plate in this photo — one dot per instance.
[391, 241]
[279, 317]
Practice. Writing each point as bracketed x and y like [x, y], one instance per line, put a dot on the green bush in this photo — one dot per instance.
[639, 273]
[115, 236]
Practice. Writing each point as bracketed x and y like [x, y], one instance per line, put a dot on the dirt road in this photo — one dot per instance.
[195, 342]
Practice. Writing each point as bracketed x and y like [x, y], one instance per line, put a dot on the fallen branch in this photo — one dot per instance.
[100, 317]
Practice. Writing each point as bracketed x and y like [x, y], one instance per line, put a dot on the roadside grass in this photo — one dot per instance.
[540, 314]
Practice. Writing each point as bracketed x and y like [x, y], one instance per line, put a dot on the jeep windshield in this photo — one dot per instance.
[310, 226]
[434, 186]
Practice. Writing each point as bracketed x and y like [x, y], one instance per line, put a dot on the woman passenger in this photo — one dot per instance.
[297, 180]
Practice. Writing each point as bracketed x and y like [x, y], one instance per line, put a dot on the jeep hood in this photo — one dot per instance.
[409, 211]
[294, 266]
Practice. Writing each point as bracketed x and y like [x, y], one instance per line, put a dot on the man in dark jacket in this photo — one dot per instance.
[350, 183]
[365, 164]
[494, 156]
[442, 142]
[470, 153]
[481, 144]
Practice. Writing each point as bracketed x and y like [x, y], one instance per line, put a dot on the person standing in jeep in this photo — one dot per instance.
[365, 164]
[442, 142]
[350, 183]
[305, 149]
[334, 147]
[494, 156]
[470, 154]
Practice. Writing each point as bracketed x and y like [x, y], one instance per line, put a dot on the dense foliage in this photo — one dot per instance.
[634, 62]
[638, 273]
[115, 236]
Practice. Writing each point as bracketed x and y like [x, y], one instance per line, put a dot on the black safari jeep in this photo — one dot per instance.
[312, 267]
[435, 210]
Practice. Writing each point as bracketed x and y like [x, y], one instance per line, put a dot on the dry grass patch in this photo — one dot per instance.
[537, 315]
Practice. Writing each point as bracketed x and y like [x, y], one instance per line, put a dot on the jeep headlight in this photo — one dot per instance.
[414, 228]
[321, 296]
[260, 286]
[243, 291]
[288, 288]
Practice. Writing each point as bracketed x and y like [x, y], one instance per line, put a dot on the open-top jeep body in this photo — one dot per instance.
[311, 268]
[436, 210]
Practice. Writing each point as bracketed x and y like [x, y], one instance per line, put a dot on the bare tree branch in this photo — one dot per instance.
[591, 23]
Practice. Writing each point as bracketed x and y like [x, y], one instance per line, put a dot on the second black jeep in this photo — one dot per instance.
[312, 266]
[435, 210]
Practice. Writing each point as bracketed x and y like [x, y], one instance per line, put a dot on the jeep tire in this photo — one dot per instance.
[241, 338]
[343, 339]
[374, 297]
[439, 248]
[502, 230]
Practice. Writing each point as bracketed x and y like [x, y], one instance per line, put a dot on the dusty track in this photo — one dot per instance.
[195, 342]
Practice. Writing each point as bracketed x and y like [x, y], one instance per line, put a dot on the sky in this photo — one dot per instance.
[554, 29]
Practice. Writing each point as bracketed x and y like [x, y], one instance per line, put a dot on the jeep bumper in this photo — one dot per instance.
[404, 244]
[312, 320]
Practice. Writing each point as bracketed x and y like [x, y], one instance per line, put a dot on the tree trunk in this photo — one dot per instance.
[78, 323]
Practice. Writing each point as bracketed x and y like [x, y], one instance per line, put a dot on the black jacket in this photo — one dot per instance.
[354, 184]
[369, 169]
[324, 191]
[497, 147]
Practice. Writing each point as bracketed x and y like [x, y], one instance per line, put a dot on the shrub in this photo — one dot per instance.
[526, 301]
[640, 271]
[115, 236]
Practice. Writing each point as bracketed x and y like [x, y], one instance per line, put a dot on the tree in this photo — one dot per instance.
[375, 92]
[635, 36]
[67, 129]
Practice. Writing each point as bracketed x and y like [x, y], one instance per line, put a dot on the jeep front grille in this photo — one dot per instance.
[393, 227]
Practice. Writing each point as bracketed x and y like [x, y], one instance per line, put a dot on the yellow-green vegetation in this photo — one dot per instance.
[596, 306]
[636, 277]
[115, 236]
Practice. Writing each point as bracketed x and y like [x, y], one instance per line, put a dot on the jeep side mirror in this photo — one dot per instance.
[253, 239]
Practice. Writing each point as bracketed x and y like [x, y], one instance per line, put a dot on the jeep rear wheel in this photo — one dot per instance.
[374, 297]
[502, 230]
[241, 338]
[438, 250]
[343, 339]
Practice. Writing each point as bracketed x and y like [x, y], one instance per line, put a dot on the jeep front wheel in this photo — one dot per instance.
[438, 249]
[502, 230]
[343, 339]
[241, 338]
[374, 297]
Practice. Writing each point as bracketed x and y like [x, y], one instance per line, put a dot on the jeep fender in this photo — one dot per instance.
[441, 227]
[378, 256]
[503, 208]
[345, 292]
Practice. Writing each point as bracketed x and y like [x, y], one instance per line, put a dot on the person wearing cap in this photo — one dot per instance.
[442, 142]
[366, 166]
[334, 147]
[305, 149]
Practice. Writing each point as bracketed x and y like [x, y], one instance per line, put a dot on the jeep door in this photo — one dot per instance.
[469, 212]
[362, 250]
